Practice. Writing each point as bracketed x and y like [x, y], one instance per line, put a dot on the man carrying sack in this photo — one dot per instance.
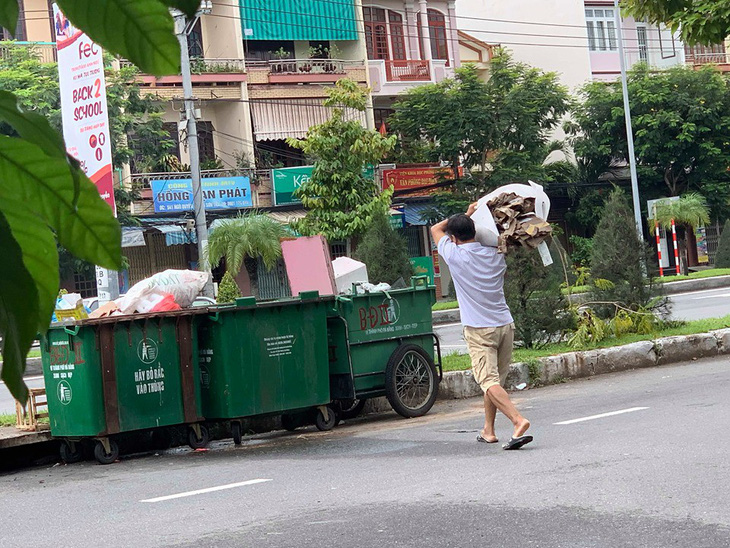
[478, 275]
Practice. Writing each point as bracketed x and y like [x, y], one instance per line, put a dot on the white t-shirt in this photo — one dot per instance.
[478, 275]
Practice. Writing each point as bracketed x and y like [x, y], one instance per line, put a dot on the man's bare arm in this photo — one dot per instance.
[438, 230]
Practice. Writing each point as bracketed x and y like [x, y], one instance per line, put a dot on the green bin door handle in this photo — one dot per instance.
[215, 317]
[74, 330]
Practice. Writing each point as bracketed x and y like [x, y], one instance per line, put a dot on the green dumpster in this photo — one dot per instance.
[121, 374]
[263, 358]
[384, 341]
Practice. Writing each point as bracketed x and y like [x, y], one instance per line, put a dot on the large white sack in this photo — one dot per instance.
[486, 228]
[183, 285]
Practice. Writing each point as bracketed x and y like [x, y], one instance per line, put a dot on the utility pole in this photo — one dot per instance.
[629, 130]
[183, 27]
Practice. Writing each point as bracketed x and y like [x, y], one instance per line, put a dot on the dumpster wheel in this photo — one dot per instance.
[236, 432]
[198, 436]
[106, 451]
[326, 418]
[71, 452]
[411, 384]
[349, 409]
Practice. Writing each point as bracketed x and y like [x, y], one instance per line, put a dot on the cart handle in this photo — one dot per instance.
[72, 330]
[214, 317]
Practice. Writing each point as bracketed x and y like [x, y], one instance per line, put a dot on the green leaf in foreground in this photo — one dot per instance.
[89, 230]
[9, 10]
[17, 327]
[140, 30]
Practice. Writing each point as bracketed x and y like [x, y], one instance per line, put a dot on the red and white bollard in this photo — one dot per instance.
[676, 247]
[659, 250]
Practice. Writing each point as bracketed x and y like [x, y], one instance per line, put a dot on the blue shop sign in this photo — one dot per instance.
[175, 195]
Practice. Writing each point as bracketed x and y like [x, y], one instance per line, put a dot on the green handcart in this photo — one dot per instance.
[382, 344]
[121, 374]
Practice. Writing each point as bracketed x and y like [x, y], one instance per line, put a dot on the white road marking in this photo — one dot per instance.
[611, 414]
[711, 296]
[208, 490]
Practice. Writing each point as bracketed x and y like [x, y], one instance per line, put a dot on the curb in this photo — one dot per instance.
[671, 288]
[588, 363]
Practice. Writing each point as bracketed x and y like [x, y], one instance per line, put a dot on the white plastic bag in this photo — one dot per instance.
[487, 233]
[183, 285]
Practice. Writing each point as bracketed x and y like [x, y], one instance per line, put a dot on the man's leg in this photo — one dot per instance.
[490, 414]
[501, 401]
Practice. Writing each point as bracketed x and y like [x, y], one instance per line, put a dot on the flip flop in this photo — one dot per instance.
[480, 439]
[517, 443]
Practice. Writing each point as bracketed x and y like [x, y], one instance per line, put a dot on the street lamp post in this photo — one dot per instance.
[629, 130]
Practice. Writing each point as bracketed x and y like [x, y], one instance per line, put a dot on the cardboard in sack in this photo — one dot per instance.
[522, 211]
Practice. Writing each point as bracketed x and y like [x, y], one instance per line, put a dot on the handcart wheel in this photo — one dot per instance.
[236, 432]
[71, 452]
[324, 424]
[196, 442]
[411, 384]
[104, 457]
[349, 409]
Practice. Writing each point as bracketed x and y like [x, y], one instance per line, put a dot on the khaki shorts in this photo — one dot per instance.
[490, 349]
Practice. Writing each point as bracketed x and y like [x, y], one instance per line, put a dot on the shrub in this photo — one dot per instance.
[535, 298]
[385, 252]
[228, 290]
[722, 259]
[618, 257]
[582, 248]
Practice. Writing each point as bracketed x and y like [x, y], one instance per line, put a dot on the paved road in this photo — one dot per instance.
[699, 305]
[651, 477]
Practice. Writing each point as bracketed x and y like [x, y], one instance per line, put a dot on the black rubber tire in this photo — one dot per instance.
[102, 456]
[349, 409]
[291, 422]
[198, 443]
[236, 432]
[69, 455]
[322, 424]
[426, 366]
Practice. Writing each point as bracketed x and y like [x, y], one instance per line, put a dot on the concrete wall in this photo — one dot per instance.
[37, 25]
[222, 34]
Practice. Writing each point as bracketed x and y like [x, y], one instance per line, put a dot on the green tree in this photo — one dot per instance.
[243, 240]
[341, 201]
[697, 21]
[681, 120]
[228, 290]
[722, 258]
[503, 124]
[534, 296]
[45, 198]
[617, 258]
[384, 251]
[688, 213]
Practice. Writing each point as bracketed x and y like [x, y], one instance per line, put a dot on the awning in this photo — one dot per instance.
[177, 235]
[132, 236]
[414, 211]
[274, 120]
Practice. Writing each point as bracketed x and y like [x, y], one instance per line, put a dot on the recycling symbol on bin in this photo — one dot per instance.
[392, 309]
[147, 350]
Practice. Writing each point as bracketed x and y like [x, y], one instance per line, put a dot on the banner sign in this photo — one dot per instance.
[412, 178]
[287, 179]
[83, 104]
[176, 195]
[397, 216]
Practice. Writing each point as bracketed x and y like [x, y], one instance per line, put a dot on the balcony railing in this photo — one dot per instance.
[199, 65]
[708, 58]
[45, 52]
[407, 70]
[307, 66]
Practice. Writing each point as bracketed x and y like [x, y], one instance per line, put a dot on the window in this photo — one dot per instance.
[85, 284]
[381, 116]
[205, 142]
[195, 41]
[376, 33]
[437, 30]
[601, 29]
[338, 249]
[396, 35]
[643, 43]
[20, 34]
[172, 130]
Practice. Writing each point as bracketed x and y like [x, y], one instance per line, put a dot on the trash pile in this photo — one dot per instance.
[164, 291]
[512, 216]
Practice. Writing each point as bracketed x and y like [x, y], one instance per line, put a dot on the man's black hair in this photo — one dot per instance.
[461, 227]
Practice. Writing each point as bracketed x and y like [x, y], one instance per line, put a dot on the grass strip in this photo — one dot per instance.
[460, 362]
